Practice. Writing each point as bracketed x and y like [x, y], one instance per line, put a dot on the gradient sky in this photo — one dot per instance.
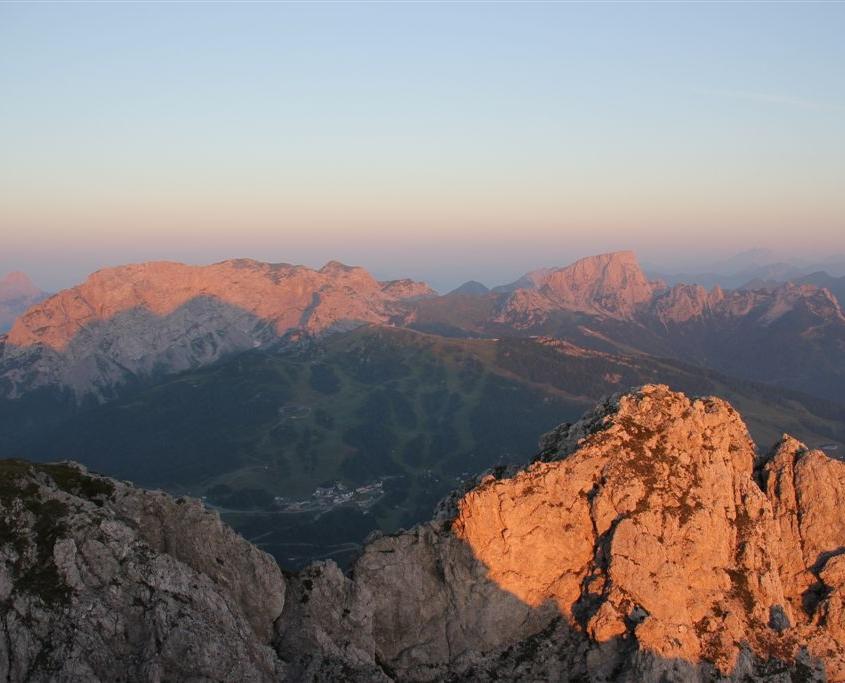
[438, 140]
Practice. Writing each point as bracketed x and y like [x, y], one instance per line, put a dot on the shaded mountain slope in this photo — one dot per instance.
[151, 319]
[471, 287]
[105, 582]
[413, 412]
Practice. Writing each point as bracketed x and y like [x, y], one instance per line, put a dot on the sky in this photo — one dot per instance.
[439, 140]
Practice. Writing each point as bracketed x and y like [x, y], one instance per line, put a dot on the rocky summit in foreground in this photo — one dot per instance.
[648, 542]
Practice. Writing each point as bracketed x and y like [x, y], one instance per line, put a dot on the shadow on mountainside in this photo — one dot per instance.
[417, 411]
[424, 608]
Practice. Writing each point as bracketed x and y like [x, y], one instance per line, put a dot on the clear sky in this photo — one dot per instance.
[439, 140]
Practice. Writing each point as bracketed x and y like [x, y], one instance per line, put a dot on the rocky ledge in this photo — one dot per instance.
[647, 542]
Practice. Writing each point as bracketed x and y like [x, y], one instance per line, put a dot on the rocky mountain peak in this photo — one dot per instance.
[407, 289]
[640, 546]
[684, 302]
[819, 301]
[17, 284]
[339, 270]
[613, 267]
[610, 284]
[336, 267]
[671, 542]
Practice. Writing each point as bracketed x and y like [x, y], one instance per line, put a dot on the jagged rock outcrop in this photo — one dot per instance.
[687, 302]
[790, 335]
[154, 318]
[668, 536]
[17, 294]
[683, 303]
[614, 286]
[641, 546]
[103, 581]
[807, 491]
[646, 542]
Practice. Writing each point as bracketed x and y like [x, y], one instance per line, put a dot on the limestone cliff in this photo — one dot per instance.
[614, 286]
[134, 321]
[608, 284]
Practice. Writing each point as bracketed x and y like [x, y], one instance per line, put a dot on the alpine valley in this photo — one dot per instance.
[313, 407]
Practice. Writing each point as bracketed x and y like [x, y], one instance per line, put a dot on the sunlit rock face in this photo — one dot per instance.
[648, 542]
[160, 317]
[282, 295]
[612, 283]
[128, 324]
[614, 286]
[653, 528]
[608, 284]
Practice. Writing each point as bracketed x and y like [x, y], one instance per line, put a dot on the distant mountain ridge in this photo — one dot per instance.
[283, 295]
[609, 284]
[137, 320]
[835, 285]
[247, 381]
[128, 323]
[613, 285]
[790, 334]
[17, 294]
[756, 264]
[472, 288]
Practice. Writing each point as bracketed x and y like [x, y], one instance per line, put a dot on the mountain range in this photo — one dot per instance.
[648, 541]
[158, 318]
[791, 335]
[324, 414]
[135, 322]
[256, 386]
[754, 265]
